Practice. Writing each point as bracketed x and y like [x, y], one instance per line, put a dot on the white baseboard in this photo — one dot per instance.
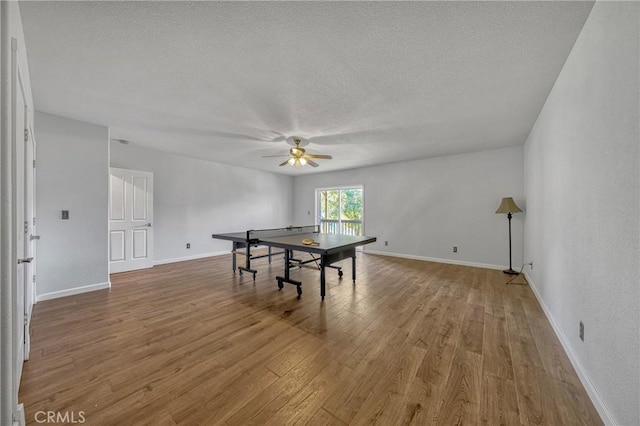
[438, 260]
[601, 407]
[72, 291]
[194, 257]
[18, 417]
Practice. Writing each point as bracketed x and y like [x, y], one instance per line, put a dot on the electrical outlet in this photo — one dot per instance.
[188, 245]
[65, 214]
[455, 249]
[386, 243]
[581, 331]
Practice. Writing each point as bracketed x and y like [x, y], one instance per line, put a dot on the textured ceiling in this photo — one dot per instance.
[366, 82]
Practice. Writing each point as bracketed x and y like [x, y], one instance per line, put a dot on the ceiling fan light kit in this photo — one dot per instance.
[296, 162]
[298, 157]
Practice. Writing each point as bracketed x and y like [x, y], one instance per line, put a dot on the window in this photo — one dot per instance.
[340, 210]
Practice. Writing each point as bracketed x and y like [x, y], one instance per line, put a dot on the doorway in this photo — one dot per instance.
[340, 210]
[23, 269]
[130, 220]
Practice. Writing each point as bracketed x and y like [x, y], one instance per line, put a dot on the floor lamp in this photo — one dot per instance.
[509, 206]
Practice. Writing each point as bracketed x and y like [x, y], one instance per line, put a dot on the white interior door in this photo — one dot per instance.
[19, 113]
[130, 220]
[30, 235]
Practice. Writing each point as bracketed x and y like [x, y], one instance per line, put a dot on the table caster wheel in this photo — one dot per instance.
[299, 292]
[340, 274]
[280, 285]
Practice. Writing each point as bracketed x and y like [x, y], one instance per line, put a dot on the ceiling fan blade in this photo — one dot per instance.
[271, 156]
[284, 163]
[324, 157]
[312, 163]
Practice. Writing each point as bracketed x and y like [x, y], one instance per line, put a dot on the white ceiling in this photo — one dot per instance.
[367, 82]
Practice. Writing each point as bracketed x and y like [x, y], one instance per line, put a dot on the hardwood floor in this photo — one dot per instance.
[411, 342]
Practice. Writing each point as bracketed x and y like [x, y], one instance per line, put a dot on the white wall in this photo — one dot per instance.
[72, 174]
[195, 198]
[582, 230]
[425, 207]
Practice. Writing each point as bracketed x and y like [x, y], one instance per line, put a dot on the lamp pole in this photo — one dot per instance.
[510, 270]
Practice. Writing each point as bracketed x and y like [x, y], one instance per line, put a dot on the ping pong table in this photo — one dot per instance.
[329, 249]
[243, 240]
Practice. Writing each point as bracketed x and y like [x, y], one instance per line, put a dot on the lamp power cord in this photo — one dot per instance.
[520, 273]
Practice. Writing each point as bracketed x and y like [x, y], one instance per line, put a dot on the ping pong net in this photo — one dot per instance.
[261, 234]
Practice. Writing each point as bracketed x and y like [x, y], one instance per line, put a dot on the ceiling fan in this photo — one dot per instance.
[298, 156]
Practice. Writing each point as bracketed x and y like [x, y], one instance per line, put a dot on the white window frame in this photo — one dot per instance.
[339, 188]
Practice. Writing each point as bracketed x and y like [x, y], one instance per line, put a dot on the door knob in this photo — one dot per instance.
[25, 260]
[34, 237]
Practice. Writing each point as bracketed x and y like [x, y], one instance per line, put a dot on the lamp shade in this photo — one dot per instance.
[508, 206]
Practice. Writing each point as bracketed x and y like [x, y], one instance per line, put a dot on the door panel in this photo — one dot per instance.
[116, 246]
[116, 204]
[140, 202]
[130, 220]
[139, 243]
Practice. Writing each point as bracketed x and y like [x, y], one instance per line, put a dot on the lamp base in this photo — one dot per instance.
[511, 272]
